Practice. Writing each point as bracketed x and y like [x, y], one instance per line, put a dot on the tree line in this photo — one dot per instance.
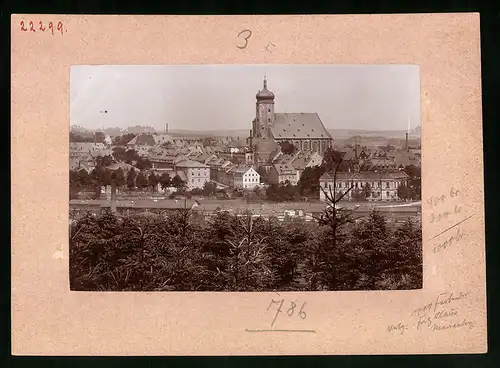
[228, 253]
[101, 176]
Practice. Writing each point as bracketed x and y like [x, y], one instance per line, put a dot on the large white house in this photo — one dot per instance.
[241, 177]
[196, 174]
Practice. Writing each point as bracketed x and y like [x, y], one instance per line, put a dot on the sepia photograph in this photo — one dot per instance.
[245, 178]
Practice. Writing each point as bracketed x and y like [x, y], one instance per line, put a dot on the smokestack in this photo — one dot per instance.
[113, 193]
[406, 146]
[166, 127]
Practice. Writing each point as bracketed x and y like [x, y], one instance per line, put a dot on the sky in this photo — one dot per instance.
[222, 97]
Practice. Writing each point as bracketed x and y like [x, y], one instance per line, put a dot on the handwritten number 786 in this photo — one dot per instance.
[290, 311]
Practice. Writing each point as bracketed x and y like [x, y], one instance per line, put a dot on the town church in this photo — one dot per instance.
[304, 130]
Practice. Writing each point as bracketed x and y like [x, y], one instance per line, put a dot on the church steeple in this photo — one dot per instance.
[265, 94]
[264, 117]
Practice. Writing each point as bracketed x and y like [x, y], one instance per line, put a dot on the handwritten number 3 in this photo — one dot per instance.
[248, 34]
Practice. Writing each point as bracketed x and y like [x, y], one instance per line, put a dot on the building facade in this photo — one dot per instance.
[83, 149]
[379, 186]
[246, 178]
[196, 173]
[282, 174]
[142, 143]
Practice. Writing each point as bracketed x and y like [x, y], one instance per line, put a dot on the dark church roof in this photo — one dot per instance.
[298, 126]
[264, 94]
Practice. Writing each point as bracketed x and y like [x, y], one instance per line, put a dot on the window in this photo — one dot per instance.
[387, 194]
[192, 180]
[387, 185]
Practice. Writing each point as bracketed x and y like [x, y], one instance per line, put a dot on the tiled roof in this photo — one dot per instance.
[239, 170]
[284, 159]
[162, 138]
[298, 125]
[366, 175]
[190, 163]
[237, 144]
[182, 175]
[85, 146]
[74, 163]
[285, 169]
[122, 165]
[264, 149]
[143, 140]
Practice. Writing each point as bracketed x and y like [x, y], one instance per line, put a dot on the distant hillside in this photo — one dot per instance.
[336, 133]
[243, 133]
[214, 133]
[347, 133]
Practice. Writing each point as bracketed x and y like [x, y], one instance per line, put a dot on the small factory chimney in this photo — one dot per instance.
[113, 192]
[406, 146]
[166, 127]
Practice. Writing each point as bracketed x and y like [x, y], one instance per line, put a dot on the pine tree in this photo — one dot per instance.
[120, 177]
[153, 181]
[141, 180]
[131, 178]
[164, 180]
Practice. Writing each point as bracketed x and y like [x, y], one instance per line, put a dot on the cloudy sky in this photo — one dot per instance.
[222, 97]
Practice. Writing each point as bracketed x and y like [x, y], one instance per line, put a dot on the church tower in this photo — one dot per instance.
[264, 113]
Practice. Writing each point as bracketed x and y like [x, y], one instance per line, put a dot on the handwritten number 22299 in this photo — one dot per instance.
[290, 311]
[31, 25]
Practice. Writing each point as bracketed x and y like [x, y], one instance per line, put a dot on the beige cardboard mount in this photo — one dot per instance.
[49, 319]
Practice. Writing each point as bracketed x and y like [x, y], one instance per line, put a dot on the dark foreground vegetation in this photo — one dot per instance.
[230, 253]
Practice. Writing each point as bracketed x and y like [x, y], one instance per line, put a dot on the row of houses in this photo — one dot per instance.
[147, 144]
[377, 160]
[207, 208]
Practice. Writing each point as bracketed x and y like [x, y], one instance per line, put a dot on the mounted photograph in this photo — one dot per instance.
[245, 178]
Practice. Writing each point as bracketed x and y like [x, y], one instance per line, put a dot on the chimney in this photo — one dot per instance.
[406, 146]
[113, 193]
[166, 127]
